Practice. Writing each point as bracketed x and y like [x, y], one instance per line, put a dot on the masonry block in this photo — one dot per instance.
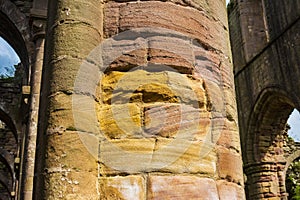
[230, 191]
[122, 187]
[186, 187]
[230, 166]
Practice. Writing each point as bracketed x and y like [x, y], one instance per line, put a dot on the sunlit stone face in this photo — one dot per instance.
[154, 108]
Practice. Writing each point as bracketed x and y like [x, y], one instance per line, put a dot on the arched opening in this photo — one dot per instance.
[14, 61]
[12, 78]
[14, 73]
[8, 153]
[9, 60]
[265, 151]
[14, 35]
[294, 125]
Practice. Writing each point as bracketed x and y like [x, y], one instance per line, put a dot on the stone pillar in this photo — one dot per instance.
[38, 28]
[265, 180]
[31, 137]
[141, 102]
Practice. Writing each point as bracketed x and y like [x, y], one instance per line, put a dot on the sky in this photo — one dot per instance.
[294, 122]
[8, 58]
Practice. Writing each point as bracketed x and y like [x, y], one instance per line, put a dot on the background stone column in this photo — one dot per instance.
[32, 128]
[74, 29]
[38, 16]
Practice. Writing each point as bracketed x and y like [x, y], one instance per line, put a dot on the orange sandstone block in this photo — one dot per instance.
[128, 187]
[182, 187]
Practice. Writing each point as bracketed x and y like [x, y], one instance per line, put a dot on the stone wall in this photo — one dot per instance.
[266, 65]
[11, 97]
[11, 117]
[8, 151]
[279, 22]
[15, 29]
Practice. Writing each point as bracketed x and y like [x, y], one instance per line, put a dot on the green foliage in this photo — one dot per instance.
[230, 6]
[293, 180]
[296, 195]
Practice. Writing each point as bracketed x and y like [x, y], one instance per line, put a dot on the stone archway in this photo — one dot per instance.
[8, 156]
[14, 28]
[266, 64]
[264, 158]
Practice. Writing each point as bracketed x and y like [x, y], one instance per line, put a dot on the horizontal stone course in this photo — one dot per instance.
[157, 155]
[167, 15]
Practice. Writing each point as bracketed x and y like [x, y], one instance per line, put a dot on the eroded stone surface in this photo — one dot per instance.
[230, 191]
[230, 165]
[69, 177]
[163, 86]
[168, 15]
[127, 187]
[182, 187]
[185, 157]
[120, 121]
[126, 155]
[148, 155]
[176, 121]
[229, 136]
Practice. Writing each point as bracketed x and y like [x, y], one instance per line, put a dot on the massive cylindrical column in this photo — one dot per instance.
[141, 102]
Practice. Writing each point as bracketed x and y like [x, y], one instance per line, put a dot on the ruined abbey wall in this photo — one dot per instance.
[20, 27]
[265, 42]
